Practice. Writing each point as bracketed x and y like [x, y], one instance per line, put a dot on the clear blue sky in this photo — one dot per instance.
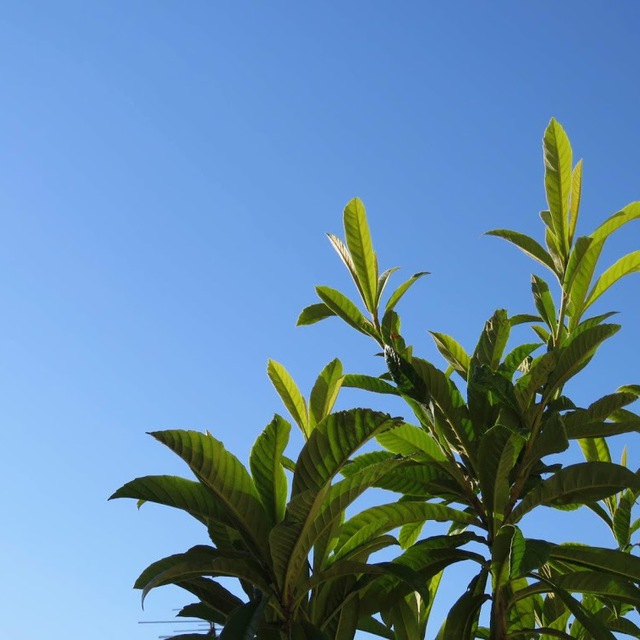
[167, 173]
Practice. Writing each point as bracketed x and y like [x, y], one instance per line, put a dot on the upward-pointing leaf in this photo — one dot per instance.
[345, 309]
[325, 391]
[453, 352]
[290, 394]
[558, 160]
[223, 474]
[402, 289]
[627, 214]
[543, 301]
[576, 191]
[267, 470]
[358, 238]
[627, 264]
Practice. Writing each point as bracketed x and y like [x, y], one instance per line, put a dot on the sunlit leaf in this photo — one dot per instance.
[325, 391]
[290, 395]
[314, 313]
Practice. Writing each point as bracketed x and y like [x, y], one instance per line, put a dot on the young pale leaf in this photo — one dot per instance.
[358, 238]
[626, 265]
[268, 473]
[325, 391]
[345, 309]
[402, 289]
[627, 214]
[382, 283]
[314, 313]
[574, 205]
[345, 255]
[453, 352]
[225, 476]
[290, 395]
[558, 160]
[526, 244]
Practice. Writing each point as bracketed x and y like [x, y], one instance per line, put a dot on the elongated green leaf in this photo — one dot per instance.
[345, 255]
[576, 191]
[595, 449]
[543, 301]
[402, 289]
[345, 309]
[626, 265]
[210, 593]
[382, 283]
[377, 520]
[244, 621]
[358, 238]
[578, 484]
[325, 391]
[627, 214]
[405, 622]
[578, 352]
[202, 561]
[528, 245]
[409, 533]
[369, 383]
[558, 160]
[493, 339]
[462, 619]
[172, 491]
[515, 359]
[267, 470]
[498, 451]
[408, 439]
[579, 274]
[453, 352]
[369, 624]
[599, 559]
[290, 395]
[226, 477]
[314, 313]
[622, 519]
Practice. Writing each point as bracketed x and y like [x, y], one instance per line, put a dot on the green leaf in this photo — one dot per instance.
[226, 477]
[201, 561]
[409, 533]
[514, 359]
[627, 214]
[578, 484]
[528, 245]
[265, 462]
[462, 619]
[499, 449]
[407, 439]
[493, 339]
[626, 265]
[382, 283]
[558, 160]
[244, 621]
[576, 191]
[172, 491]
[402, 289]
[325, 391]
[358, 239]
[345, 309]
[622, 519]
[578, 352]
[368, 383]
[453, 352]
[314, 313]
[290, 395]
[595, 449]
[599, 559]
[543, 301]
[578, 276]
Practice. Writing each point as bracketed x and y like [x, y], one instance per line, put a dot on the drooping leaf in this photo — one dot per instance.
[325, 391]
[360, 246]
[599, 559]
[577, 484]
[528, 245]
[290, 395]
[225, 476]
[268, 473]
[368, 383]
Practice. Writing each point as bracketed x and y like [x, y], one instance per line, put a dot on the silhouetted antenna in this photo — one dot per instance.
[191, 625]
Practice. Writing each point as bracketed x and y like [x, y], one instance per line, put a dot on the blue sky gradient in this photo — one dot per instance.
[167, 173]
